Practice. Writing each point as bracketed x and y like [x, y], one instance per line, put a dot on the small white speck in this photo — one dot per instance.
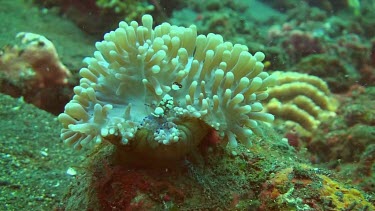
[16, 108]
[44, 153]
[71, 171]
[234, 153]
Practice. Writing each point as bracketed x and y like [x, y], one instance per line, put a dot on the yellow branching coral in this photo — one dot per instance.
[160, 90]
[301, 98]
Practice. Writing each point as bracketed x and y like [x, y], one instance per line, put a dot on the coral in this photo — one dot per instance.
[302, 99]
[368, 74]
[344, 58]
[353, 48]
[351, 132]
[338, 75]
[158, 92]
[330, 6]
[33, 70]
[359, 112]
[36, 62]
[236, 21]
[107, 13]
[364, 173]
[346, 143]
[303, 187]
[319, 46]
[296, 41]
[279, 192]
[129, 8]
[340, 198]
[300, 44]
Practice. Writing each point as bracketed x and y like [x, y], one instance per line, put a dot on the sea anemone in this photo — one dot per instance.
[160, 91]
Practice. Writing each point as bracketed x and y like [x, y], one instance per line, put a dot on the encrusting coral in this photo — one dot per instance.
[301, 98]
[158, 92]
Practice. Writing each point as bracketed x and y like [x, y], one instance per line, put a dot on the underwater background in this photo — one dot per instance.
[318, 154]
